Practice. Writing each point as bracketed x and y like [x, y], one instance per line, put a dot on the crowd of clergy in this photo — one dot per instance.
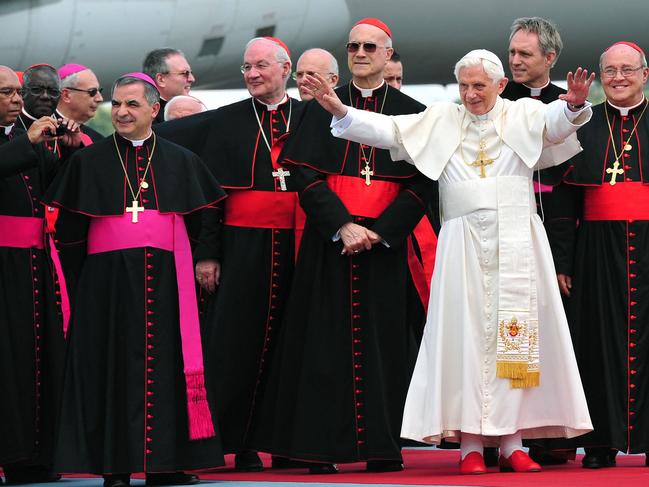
[328, 279]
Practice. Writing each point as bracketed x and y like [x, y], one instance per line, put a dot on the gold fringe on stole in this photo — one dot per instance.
[532, 379]
[511, 370]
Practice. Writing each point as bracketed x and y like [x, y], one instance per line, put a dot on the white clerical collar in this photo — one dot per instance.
[624, 111]
[490, 115]
[367, 92]
[537, 91]
[28, 115]
[7, 128]
[271, 108]
[140, 143]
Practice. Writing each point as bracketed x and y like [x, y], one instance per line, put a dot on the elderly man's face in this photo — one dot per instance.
[527, 62]
[178, 80]
[42, 93]
[622, 89]
[310, 63]
[477, 90]
[11, 102]
[131, 113]
[364, 64]
[81, 104]
[265, 77]
[393, 74]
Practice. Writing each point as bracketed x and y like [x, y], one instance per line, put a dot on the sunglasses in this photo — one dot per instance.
[91, 91]
[40, 90]
[368, 47]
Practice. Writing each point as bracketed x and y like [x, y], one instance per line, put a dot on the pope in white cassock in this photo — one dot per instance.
[496, 364]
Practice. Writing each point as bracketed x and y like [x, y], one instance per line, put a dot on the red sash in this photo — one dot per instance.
[622, 201]
[25, 232]
[370, 201]
[265, 209]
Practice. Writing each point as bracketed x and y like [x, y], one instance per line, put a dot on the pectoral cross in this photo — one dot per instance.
[367, 172]
[614, 171]
[282, 175]
[135, 208]
[482, 160]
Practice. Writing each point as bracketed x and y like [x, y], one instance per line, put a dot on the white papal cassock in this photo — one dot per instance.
[454, 387]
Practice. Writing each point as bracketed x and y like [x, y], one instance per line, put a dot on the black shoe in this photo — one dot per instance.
[384, 466]
[599, 458]
[283, 463]
[172, 478]
[490, 456]
[248, 461]
[32, 474]
[322, 468]
[117, 480]
[544, 456]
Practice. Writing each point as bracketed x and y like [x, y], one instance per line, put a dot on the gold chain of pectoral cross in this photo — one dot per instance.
[367, 170]
[280, 173]
[626, 147]
[481, 159]
[135, 207]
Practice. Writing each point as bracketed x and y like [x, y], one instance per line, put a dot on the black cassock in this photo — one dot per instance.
[241, 321]
[32, 344]
[349, 337]
[124, 406]
[608, 259]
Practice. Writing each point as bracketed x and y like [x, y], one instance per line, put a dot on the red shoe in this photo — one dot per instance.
[518, 462]
[472, 464]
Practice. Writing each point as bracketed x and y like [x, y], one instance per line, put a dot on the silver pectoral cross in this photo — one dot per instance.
[614, 171]
[282, 175]
[135, 208]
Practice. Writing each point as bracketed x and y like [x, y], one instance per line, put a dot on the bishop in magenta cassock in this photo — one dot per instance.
[134, 398]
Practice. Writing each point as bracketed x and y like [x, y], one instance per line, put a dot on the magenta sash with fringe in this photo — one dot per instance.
[166, 232]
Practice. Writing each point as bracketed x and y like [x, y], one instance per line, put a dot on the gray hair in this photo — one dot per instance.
[156, 61]
[333, 64]
[72, 80]
[177, 98]
[280, 53]
[27, 75]
[494, 71]
[151, 93]
[643, 59]
[549, 38]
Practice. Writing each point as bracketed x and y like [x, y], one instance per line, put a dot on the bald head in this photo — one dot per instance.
[624, 72]
[316, 61]
[10, 100]
[183, 106]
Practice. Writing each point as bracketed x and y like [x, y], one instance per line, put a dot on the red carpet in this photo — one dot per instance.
[440, 467]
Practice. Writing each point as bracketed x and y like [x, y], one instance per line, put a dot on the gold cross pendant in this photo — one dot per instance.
[482, 161]
[367, 172]
[134, 209]
[614, 171]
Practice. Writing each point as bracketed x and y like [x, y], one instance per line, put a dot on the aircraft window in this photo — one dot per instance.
[267, 31]
[211, 47]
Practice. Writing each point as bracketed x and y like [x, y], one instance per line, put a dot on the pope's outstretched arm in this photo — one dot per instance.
[360, 126]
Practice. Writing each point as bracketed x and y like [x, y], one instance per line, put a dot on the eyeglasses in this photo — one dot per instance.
[300, 74]
[9, 92]
[626, 72]
[40, 90]
[185, 74]
[91, 91]
[262, 66]
[368, 47]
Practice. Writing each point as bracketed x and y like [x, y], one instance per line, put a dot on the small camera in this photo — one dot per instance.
[60, 130]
